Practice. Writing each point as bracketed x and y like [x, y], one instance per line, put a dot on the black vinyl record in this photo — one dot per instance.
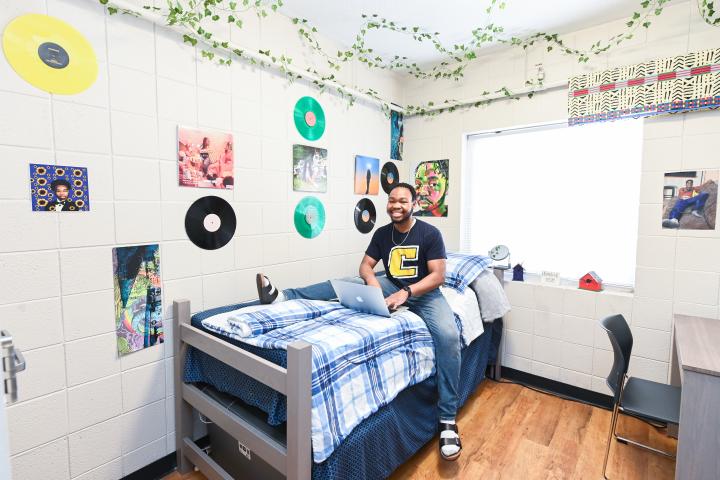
[365, 215]
[389, 176]
[210, 222]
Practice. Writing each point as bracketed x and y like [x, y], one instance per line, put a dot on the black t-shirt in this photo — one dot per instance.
[405, 259]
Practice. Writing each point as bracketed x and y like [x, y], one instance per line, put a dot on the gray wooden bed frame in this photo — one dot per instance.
[292, 459]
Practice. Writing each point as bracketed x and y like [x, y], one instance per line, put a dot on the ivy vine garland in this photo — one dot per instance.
[193, 15]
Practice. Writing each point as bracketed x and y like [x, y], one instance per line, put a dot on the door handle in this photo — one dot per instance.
[13, 362]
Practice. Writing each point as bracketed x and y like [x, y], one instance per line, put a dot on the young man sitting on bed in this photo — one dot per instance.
[413, 253]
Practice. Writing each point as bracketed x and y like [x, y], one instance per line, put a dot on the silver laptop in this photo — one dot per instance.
[362, 298]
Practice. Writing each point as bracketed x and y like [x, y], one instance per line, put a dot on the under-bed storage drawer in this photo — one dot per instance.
[224, 449]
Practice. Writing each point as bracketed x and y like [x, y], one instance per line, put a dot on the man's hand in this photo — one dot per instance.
[396, 299]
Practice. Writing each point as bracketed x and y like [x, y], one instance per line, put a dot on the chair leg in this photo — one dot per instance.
[610, 437]
[643, 446]
[627, 441]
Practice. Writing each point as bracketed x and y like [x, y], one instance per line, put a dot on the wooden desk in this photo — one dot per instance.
[696, 365]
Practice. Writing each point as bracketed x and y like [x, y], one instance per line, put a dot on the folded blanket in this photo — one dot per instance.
[494, 302]
[249, 323]
[462, 269]
[467, 313]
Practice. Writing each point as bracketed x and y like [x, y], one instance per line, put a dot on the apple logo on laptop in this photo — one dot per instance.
[359, 299]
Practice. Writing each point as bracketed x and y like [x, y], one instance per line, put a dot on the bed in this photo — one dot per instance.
[261, 398]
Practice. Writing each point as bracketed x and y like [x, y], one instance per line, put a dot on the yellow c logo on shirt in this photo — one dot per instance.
[400, 257]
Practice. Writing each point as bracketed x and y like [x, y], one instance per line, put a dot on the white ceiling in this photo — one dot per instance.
[340, 20]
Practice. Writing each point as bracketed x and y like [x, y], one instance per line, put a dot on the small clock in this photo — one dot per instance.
[499, 252]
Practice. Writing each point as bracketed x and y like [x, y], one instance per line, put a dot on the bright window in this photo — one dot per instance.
[563, 199]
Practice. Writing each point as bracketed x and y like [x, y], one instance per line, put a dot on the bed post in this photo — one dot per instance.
[183, 410]
[299, 410]
[497, 368]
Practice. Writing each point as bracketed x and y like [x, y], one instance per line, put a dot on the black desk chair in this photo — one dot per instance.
[650, 401]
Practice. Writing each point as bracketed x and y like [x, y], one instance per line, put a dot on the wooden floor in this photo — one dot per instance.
[511, 432]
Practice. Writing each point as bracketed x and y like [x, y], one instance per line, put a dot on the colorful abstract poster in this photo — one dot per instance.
[138, 300]
[396, 135]
[59, 188]
[205, 159]
[690, 200]
[367, 175]
[432, 181]
[309, 169]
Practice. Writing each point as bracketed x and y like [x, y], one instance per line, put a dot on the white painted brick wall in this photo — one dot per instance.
[37, 421]
[110, 470]
[144, 455]
[25, 230]
[95, 446]
[34, 276]
[94, 402]
[553, 332]
[85, 229]
[47, 374]
[91, 358]
[134, 135]
[29, 125]
[88, 314]
[34, 324]
[47, 461]
[73, 122]
[85, 412]
[143, 425]
[86, 269]
[143, 385]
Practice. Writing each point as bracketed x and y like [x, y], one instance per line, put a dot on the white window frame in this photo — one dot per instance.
[466, 212]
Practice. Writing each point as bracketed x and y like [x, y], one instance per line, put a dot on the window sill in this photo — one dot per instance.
[569, 284]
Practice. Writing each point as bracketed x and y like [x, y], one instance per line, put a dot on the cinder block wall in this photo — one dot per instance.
[552, 332]
[84, 412]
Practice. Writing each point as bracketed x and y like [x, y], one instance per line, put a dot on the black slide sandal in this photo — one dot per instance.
[449, 441]
[266, 293]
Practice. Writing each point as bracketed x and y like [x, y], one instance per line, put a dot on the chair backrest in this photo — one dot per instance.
[622, 341]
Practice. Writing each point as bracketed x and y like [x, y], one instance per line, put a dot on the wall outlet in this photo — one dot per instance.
[245, 451]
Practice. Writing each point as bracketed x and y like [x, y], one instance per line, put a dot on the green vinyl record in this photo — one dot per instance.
[309, 217]
[309, 118]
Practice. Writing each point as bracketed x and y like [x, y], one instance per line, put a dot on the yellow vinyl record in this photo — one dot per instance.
[50, 54]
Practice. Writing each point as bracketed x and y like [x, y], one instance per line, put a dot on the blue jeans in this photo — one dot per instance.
[697, 202]
[440, 320]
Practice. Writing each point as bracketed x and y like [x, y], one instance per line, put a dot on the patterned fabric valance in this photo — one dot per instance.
[667, 85]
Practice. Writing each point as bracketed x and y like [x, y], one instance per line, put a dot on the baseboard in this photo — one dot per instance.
[586, 396]
[156, 470]
[162, 466]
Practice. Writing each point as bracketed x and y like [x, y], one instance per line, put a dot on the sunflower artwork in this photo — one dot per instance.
[59, 188]
[138, 299]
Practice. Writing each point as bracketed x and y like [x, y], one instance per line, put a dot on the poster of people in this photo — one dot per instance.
[431, 185]
[367, 175]
[59, 188]
[205, 158]
[309, 169]
[138, 299]
[396, 135]
[690, 200]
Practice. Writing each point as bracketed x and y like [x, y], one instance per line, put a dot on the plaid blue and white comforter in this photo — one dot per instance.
[360, 362]
[461, 269]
